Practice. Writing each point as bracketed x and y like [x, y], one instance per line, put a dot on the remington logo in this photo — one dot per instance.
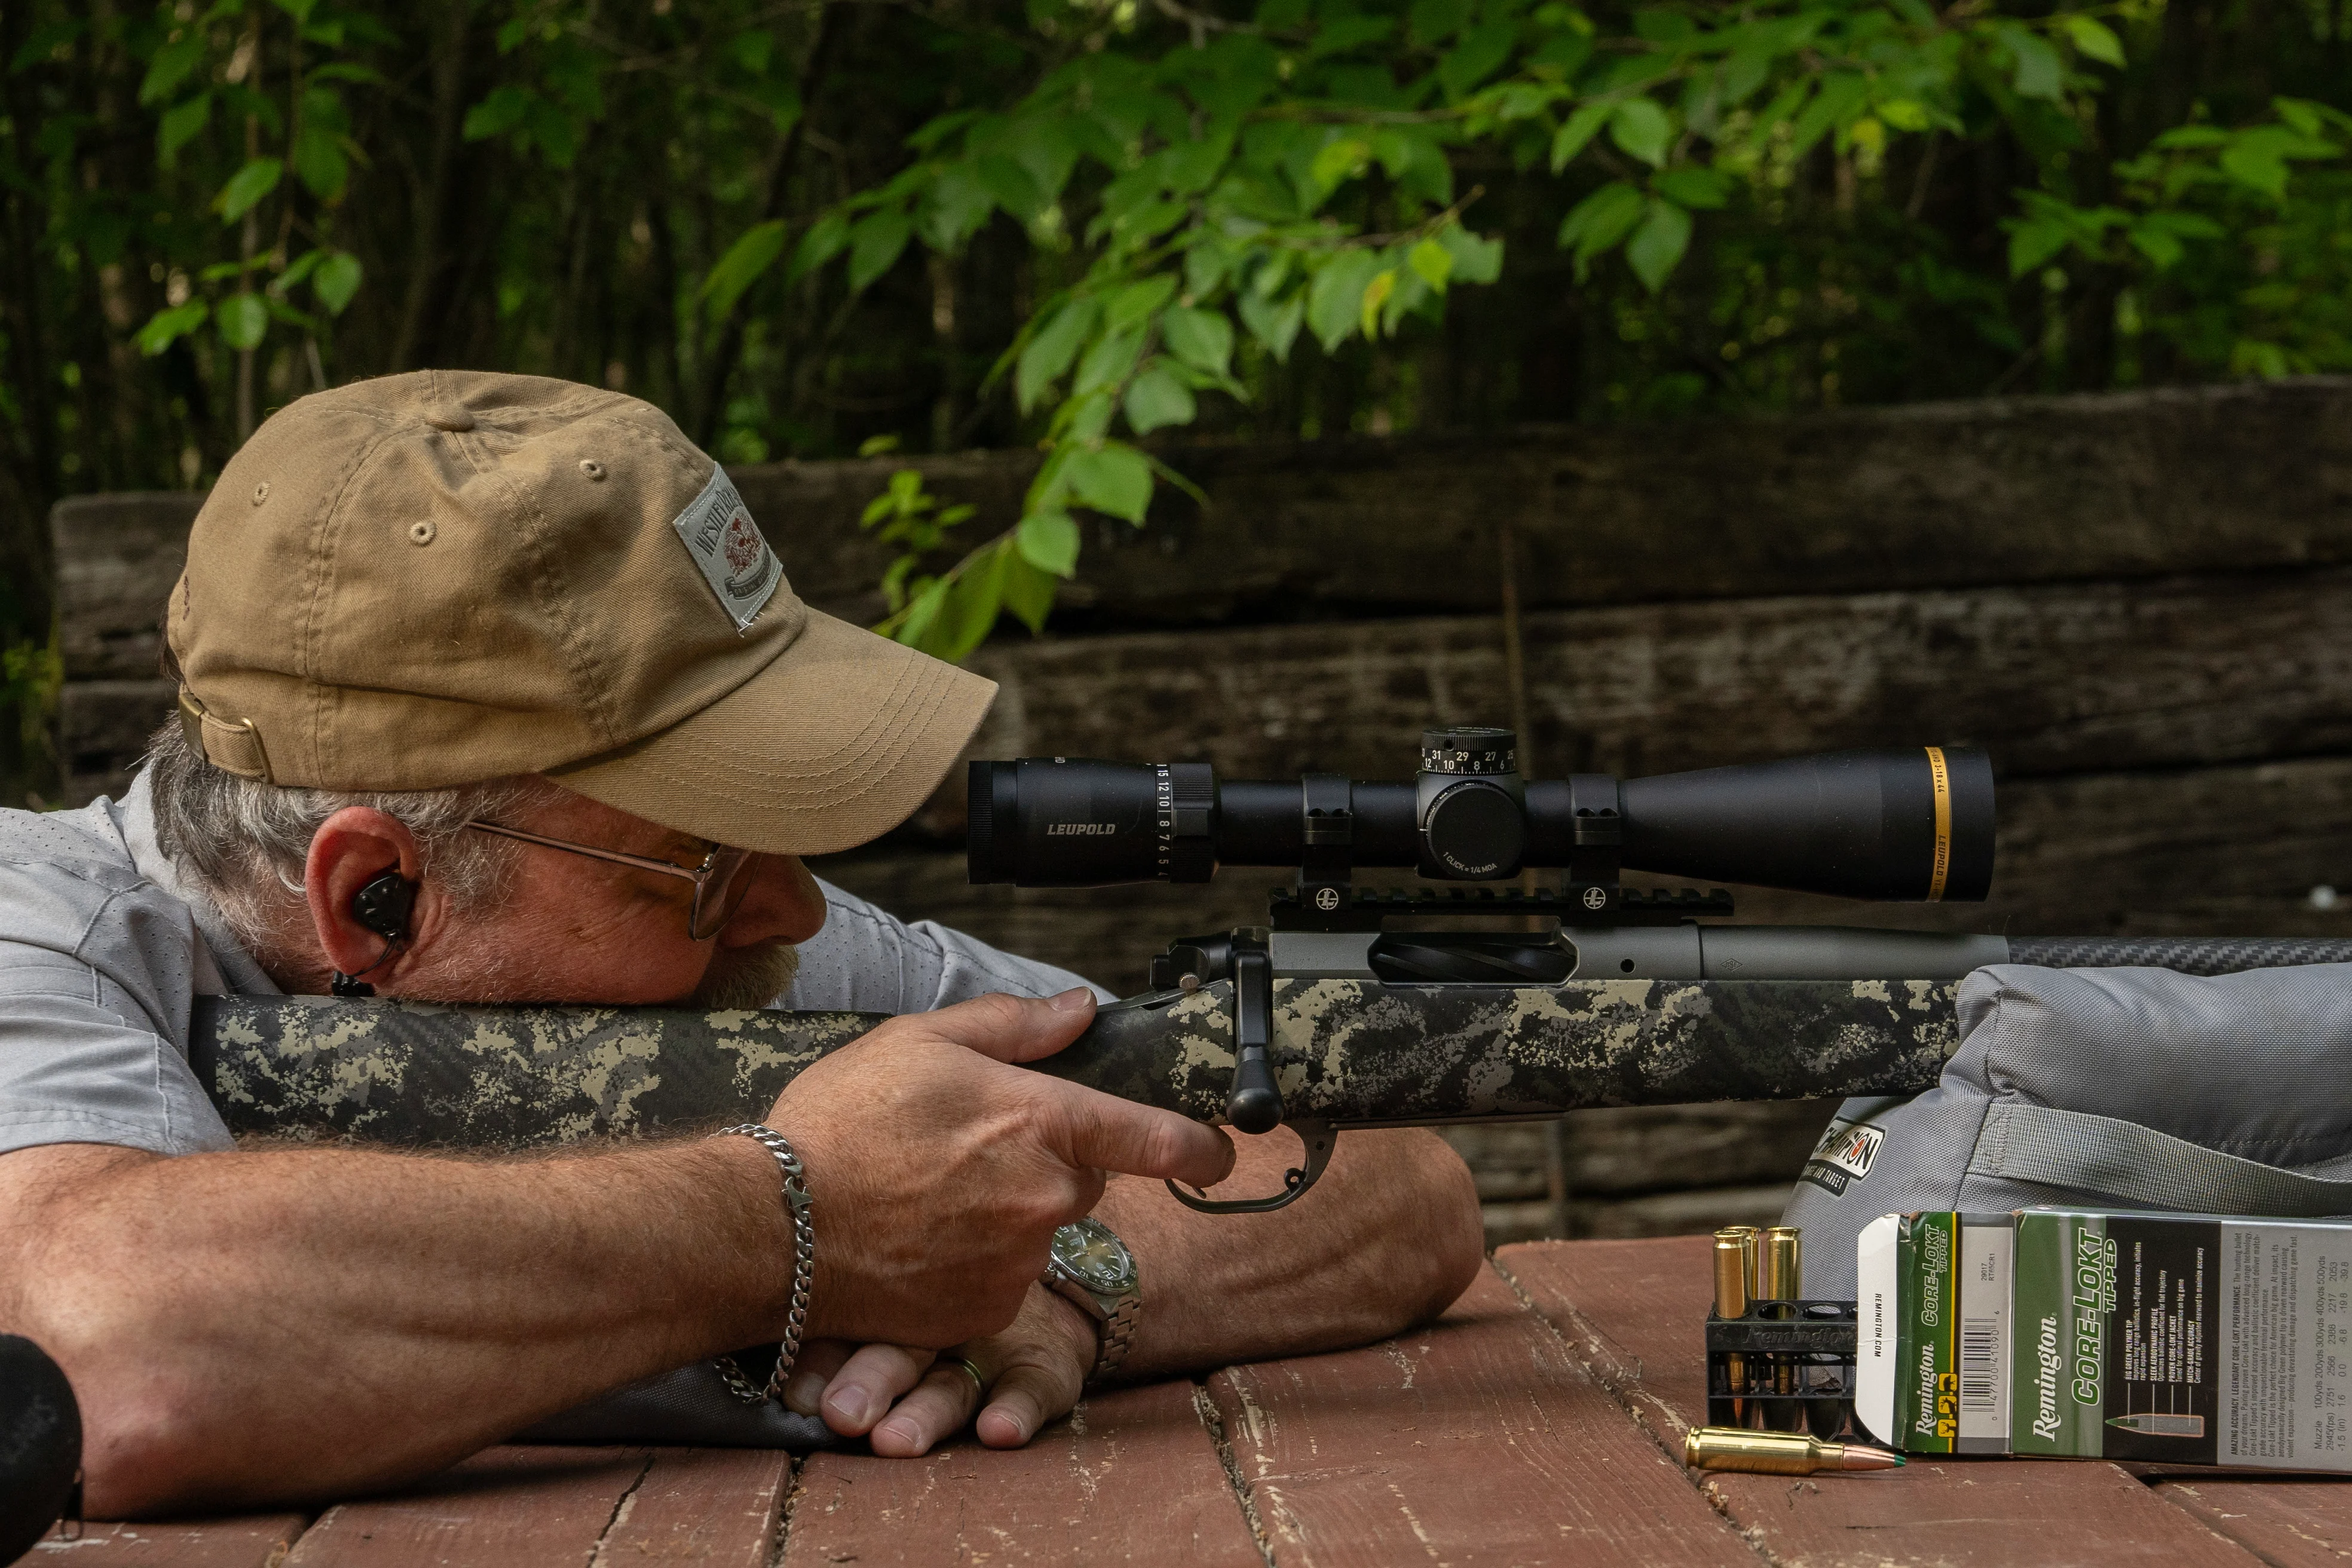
[1081, 830]
[2045, 1382]
[1926, 1403]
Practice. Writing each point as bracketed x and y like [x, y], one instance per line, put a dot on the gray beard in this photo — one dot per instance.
[742, 978]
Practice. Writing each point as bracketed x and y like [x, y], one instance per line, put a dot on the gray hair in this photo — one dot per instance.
[246, 843]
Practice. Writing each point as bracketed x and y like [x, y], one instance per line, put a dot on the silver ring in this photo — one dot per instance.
[966, 1365]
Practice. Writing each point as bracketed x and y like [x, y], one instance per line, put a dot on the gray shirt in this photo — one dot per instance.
[103, 948]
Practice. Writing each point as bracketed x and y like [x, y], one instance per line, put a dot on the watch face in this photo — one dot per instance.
[1099, 1259]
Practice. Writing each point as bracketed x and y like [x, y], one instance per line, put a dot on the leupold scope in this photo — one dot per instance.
[1913, 824]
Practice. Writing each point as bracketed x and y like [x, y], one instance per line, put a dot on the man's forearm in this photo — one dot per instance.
[251, 1326]
[1390, 1235]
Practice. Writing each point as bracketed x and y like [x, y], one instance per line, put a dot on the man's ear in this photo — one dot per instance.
[351, 849]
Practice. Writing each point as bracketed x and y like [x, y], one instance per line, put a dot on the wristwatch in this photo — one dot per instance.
[1091, 1267]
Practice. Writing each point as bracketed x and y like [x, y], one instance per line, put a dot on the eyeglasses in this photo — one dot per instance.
[719, 882]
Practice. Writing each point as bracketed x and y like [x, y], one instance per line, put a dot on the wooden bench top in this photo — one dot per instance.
[1531, 1425]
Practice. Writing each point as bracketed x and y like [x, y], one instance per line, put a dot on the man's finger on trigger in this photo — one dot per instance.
[1113, 1134]
[1015, 1029]
[937, 1410]
[804, 1386]
[1023, 1400]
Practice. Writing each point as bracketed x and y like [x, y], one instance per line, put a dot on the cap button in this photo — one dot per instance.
[449, 418]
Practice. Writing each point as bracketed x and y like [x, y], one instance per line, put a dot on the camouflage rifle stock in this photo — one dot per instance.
[1353, 1053]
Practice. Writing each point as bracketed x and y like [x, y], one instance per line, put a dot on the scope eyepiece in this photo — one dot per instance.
[1909, 823]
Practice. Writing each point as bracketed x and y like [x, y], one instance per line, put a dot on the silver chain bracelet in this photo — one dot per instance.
[796, 1200]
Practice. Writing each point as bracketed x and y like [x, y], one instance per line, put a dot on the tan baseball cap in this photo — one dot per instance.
[448, 577]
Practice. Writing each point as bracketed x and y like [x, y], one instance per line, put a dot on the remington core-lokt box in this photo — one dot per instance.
[2181, 1339]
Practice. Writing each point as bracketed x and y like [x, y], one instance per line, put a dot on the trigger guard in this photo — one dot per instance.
[1317, 1137]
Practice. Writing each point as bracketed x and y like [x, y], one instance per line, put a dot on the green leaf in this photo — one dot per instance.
[753, 252]
[320, 163]
[1129, 306]
[242, 318]
[1598, 222]
[171, 65]
[1476, 258]
[1746, 70]
[1707, 188]
[915, 627]
[1109, 362]
[1157, 399]
[1340, 161]
[1904, 114]
[165, 326]
[301, 266]
[1376, 294]
[1434, 21]
[826, 239]
[1274, 325]
[1641, 129]
[1049, 541]
[1051, 349]
[2035, 242]
[1336, 295]
[955, 207]
[1112, 478]
[2040, 72]
[496, 115]
[1658, 245]
[1028, 591]
[247, 185]
[2159, 245]
[2093, 39]
[1014, 188]
[338, 279]
[180, 125]
[875, 246]
[1433, 263]
[1563, 53]
[1478, 56]
[969, 612]
[1576, 129]
[1201, 339]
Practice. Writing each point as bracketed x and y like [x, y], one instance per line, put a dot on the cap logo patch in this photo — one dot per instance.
[729, 548]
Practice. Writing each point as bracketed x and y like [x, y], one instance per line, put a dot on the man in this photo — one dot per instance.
[493, 692]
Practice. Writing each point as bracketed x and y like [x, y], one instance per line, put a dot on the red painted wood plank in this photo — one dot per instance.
[257, 1542]
[1131, 1476]
[1477, 1440]
[2299, 1523]
[505, 1507]
[1648, 1299]
[723, 1507]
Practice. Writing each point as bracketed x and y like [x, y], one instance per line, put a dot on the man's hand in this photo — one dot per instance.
[939, 1172]
[906, 1401]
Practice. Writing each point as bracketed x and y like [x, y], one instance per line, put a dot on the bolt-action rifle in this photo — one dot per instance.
[1351, 1007]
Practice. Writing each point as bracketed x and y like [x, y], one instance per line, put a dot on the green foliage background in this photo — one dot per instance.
[814, 228]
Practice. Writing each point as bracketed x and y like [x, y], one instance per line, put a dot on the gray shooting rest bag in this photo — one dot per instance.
[2132, 1089]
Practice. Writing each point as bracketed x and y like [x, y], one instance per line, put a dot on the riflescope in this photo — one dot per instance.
[1896, 824]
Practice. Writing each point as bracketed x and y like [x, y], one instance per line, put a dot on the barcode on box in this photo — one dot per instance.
[1987, 1247]
[1980, 1364]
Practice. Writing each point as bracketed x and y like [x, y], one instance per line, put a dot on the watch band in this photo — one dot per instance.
[1118, 1332]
